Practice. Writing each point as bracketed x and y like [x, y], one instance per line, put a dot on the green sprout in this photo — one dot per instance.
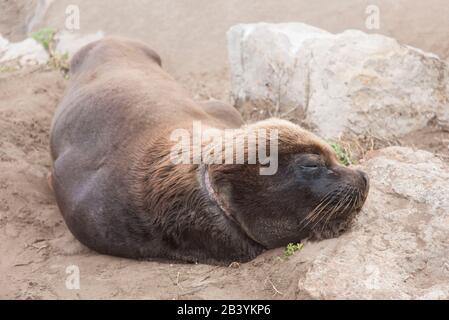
[44, 36]
[343, 154]
[57, 61]
[291, 248]
[5, 68]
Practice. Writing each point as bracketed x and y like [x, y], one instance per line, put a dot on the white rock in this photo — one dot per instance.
[26, 52]
[69, 42]
[30, 52]
[348, 83]
[399, 246]
[3, 44]
[37, 15]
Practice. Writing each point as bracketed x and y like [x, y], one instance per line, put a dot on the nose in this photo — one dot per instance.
[365, 178]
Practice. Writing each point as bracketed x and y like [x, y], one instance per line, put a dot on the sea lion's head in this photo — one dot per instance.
[311, 194]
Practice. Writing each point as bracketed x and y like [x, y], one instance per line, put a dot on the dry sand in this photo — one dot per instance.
[35, 245]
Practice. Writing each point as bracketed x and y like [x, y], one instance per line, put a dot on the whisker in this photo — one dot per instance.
[320, 209]
[316, 213]
[325, 198]
[334, 208]
[343, 201]
[335, 203]
[333, 195]
[333, 211]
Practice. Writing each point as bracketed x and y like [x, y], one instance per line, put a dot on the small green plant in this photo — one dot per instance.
[45, 37]
[291, 248]
[343, 153]
[5, 68]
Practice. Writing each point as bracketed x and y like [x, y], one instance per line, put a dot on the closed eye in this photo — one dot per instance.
[314, 165]
[308, 162]
[309, 167]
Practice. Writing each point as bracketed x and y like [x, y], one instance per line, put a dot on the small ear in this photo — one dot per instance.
[223, 188]
[219, 182]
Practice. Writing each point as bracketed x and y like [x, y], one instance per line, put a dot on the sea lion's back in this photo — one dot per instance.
[94, 131]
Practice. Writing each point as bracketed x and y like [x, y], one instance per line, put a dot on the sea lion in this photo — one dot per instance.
[121, 194]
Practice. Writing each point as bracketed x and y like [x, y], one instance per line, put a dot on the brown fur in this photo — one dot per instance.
[115, 184]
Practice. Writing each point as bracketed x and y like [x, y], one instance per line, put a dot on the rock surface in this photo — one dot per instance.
[350, 83]
[26, 52]
[30, 52]
[3, 43]
[399, 247]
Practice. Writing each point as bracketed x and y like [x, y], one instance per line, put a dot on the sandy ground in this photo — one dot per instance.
[35, 245]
